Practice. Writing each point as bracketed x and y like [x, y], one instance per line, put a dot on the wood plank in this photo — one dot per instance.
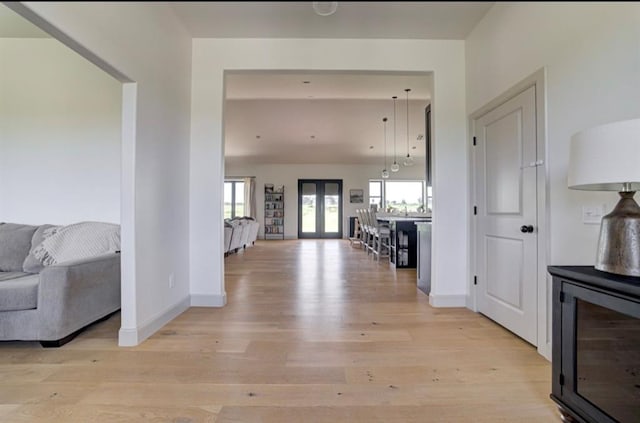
[75, 413]
[314, 330]
[386, 414]
[309, 395]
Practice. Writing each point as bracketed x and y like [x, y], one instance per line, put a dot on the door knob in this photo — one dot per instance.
[526, 229]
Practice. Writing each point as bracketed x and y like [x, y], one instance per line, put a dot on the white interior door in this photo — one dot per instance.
[506, 219]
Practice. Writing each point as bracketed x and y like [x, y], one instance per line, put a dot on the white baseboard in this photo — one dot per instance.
[448, 300]
[134, 336]
[545, 350]
[206, 300]
[470, 303]
[127, 337]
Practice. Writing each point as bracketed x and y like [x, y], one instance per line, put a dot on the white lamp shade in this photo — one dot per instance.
[606, 157]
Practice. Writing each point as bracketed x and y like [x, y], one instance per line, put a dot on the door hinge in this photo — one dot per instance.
[561, 296]
[561, 379]
[474, 140]
[475, 210]
[533, 164]
[475, 280]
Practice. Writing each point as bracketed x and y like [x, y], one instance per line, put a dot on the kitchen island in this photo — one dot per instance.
[403, 251]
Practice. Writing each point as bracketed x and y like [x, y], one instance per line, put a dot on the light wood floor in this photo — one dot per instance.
[315, 331]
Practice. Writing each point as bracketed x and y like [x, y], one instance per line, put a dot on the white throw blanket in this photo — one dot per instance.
[77, 241]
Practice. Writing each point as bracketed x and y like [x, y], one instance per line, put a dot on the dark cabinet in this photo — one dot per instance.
[403, 252]
[352, 226]
[423, 271]
[596, 345]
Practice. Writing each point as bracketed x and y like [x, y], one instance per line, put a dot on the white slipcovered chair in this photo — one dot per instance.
[239, 233]
[236, 235]
[246, 229]
[228, 232]
[254, 226]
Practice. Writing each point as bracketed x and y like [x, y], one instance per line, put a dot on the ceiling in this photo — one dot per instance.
[323, 117]
[296, 19]
[13, 25]
[316, 117]
[336, 117]
[327, 85]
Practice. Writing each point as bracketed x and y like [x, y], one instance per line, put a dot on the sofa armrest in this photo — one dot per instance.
[74, 294]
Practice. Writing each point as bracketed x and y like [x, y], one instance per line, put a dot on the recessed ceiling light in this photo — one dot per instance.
[325, 8]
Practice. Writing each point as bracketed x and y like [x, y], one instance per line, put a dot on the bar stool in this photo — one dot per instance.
[383, 239]
[357, 236]
[367, 235]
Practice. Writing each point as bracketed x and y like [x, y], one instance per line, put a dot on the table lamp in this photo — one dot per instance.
[607, 158]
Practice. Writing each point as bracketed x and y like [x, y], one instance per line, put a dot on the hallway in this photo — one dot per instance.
[315, 331]
[347, 339]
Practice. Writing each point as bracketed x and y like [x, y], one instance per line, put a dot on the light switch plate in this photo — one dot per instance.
[592, 215]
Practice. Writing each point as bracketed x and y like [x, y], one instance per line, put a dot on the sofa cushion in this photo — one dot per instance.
[18, 291]
[15, 243]
[77, 241]
[4, 276]
[31, 263]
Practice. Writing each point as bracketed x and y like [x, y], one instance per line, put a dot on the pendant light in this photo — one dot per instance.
[408, 161]
[395, 166]
[385, 172]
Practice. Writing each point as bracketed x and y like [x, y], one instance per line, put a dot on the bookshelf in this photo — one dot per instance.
[273, 212]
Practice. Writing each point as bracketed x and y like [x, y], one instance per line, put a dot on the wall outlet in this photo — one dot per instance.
[592, 214]
[171, 280]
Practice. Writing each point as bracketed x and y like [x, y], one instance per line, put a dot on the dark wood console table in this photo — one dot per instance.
[596, 345]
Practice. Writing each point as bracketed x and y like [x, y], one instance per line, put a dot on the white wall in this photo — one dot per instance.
[211, 57]
[60, 141]
[591, 54]
[353, 177]
[146, 43]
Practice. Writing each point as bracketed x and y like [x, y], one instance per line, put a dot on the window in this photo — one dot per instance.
[404, 195]
[233, 199]
[375, 193]
[399, 196]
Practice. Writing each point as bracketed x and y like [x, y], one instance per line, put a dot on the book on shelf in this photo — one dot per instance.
[274, 211]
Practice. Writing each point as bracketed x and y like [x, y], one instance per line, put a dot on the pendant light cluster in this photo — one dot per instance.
[408, 160]
[385, 172]
[395, 166]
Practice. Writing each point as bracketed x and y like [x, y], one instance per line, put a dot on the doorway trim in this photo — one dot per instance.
[537, 80]
[213, 59]
[130, 333]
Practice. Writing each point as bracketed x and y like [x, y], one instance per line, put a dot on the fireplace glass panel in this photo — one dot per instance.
[608, 361]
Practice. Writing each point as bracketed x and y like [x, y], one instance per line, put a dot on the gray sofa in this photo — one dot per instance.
[51, 304]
